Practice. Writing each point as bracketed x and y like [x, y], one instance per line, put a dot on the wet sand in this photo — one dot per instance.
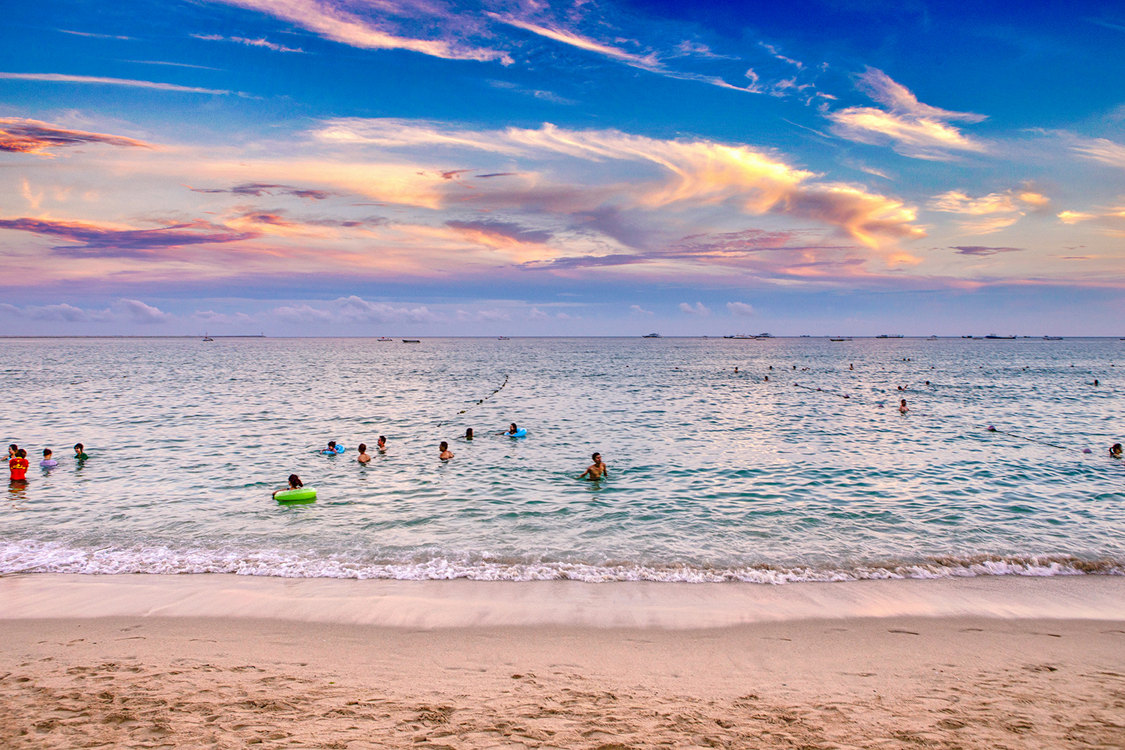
[119, 661]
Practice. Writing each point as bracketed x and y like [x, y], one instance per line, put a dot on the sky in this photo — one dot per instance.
[515, 167]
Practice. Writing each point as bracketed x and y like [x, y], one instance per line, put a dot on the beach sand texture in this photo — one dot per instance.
[887, 682]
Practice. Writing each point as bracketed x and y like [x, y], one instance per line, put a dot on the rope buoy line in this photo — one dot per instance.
[991, 428]
[479, 401]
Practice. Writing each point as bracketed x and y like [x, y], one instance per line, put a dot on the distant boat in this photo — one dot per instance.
[207, 338]
[840, 339]
[652, 336]
[966, 337]
[1052, 338]
[889, 336]
[764, 336]
[741, 336]
[997, 336]
[384, 338]
[503, 338]
[411, 341]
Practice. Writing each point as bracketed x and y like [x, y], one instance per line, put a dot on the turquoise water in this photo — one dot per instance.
[714, 475]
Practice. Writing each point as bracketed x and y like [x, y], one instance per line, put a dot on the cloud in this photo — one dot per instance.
[993, 212]
[62, 313]
[638, 310]
[914, 129]
[698, 309]
[61, 78]
[139, 312]
[248, 42]
[503, 229]
[1100, 150]
[682, 173]
[258, 189]
[740, 309]
[1110, 219]
[385, 25]
[34, 137]
[353, 309]
[103, 241]
[981, 251]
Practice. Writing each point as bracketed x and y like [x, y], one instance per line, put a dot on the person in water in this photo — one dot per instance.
[596, 470]
[1115, 451]
[902, 408]
[12, 448]
[468, 433]
[48, 462]
[446, 454]
[331, 449]
[512, 429]
[294, 484]
[17, 466]
[381, 444]
[80, 452]
[363, 457]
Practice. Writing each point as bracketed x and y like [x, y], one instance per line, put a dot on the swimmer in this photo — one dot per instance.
[1115, 451]
[902, 409]
[512, 429]
[596, 470]
[12, 448]
[331, 449]
[363, 457]
[381, 444]
[767, 378]
[48, 462]
[468, 433]
[446, 454]
[80, 452]
[295, 483]
[736, 371]
[17, 466]
[851, 367]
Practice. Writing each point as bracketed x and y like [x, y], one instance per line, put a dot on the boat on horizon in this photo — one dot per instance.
[889, 336]
[412, 341]
[843, 338]
[998, 336]
[652, 336]
[207, 338]
[384, 338]
[1052, 338]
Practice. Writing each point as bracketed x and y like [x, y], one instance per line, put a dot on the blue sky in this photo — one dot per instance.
[303, 167]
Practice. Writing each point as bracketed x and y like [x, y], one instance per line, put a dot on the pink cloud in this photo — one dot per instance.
[35, 137]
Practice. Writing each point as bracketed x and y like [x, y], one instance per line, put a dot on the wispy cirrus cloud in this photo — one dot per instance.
[683, 173]
[1100, 150]
[123, 310]
[386, 25]
[258, 189]
[110, 241]
[1110, 219]
[911, 127]
[981, 251]
[104, 81]
[260, 42]
[991, 212]
[35, 137]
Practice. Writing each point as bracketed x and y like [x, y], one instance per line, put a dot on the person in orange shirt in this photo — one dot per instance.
[18, 466]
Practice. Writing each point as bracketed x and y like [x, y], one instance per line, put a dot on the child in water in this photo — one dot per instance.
[48, 462]
[294, 483]
[80, 452]
[468, 433]
[596, 470]
[331, 449]
[446, 454]
[1115, 451]
[363, 457]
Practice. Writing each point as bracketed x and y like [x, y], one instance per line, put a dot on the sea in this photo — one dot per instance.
[766, 461]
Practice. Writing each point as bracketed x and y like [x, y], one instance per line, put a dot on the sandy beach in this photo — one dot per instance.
[122, 661]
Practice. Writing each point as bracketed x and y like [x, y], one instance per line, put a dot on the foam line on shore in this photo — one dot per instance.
[450, 604]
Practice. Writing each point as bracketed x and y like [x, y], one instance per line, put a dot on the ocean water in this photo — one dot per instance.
[713, 475]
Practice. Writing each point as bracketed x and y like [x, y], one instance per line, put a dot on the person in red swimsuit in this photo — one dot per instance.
[18, 466]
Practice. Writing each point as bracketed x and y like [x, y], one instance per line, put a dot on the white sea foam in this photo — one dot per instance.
[51, 557]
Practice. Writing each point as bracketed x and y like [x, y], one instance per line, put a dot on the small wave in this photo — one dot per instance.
[52, 557]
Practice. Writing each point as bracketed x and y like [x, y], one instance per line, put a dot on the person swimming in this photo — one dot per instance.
[446, 454]
[512, 429]
[902, 408]
[1115, 450]
[12, 448]
[363, 457]
[381, 444]
[294, 483]
[48, 462]
[468, 433]
[80, 452]
[596, 470]
[331, 449]
[17, 466]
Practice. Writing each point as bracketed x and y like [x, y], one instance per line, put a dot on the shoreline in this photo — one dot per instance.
[1009, 663]
[463, 603]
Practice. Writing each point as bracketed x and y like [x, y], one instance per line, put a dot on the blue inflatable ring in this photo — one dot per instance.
[521, 432]
[338, 451]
